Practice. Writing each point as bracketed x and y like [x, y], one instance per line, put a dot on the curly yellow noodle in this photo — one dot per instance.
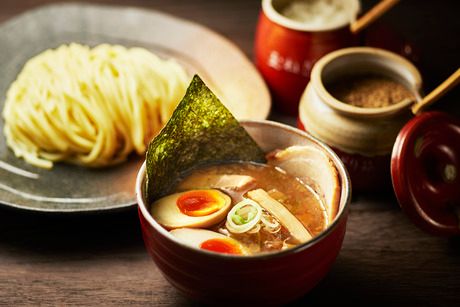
[90, 106]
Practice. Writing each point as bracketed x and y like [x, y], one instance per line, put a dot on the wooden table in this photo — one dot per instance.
[100, 259]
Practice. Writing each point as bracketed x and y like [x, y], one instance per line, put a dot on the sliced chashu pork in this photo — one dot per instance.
[313, 167]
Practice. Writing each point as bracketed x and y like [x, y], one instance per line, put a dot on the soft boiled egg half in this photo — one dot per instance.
[209, 240]
[193, 209]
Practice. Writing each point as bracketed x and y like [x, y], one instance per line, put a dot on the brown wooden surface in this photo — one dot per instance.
[100, 259]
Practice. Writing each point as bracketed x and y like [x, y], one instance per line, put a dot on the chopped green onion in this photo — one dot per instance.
[243, 216]
[238, 219]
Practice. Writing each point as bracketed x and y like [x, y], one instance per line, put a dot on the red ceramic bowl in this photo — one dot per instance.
[273, 278]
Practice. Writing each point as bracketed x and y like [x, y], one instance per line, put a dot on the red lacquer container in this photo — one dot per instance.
[425, 171]
[285, 50]
[274, 278]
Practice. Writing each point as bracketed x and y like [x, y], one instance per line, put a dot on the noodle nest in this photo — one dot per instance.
[90, 106]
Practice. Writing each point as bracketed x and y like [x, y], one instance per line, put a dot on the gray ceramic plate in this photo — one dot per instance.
[68, 188]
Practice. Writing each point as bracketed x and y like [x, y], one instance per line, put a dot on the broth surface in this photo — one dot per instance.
[297, 197]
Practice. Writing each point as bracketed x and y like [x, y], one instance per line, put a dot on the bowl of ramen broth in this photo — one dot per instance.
[259, 276]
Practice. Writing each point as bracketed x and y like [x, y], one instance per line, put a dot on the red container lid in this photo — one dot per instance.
[425, 170]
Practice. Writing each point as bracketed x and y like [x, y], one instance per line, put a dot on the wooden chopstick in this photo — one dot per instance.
[374, 13]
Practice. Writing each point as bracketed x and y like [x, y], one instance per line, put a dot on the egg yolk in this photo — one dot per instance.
[221, 246]
[200, 202]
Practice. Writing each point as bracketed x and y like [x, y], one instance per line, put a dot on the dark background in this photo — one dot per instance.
[100, 259]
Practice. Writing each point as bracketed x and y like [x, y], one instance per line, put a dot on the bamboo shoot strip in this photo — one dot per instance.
[278, 210]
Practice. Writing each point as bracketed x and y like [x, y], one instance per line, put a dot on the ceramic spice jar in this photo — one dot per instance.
[362, 136]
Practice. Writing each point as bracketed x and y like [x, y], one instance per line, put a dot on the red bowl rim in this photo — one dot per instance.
[345, 199]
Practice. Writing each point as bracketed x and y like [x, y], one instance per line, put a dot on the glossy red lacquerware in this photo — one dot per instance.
[274, 278]
[425, 169]
[285, 56]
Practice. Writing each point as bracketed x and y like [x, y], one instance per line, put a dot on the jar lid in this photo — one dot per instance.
[425, 170]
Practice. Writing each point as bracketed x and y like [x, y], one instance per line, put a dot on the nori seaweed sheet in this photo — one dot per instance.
[201, 131]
